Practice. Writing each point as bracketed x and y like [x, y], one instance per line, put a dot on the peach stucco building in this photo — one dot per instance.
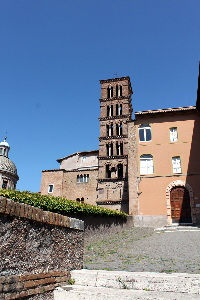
[168, 148]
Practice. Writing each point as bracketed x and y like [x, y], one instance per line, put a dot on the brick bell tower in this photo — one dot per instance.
[116, 111]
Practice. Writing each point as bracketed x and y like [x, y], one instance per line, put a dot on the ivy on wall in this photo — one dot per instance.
[57, 204]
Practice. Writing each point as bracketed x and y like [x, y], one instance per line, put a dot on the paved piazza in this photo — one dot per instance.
[168, 250]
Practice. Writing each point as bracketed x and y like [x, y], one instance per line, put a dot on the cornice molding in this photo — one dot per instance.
[113, 157]
[113, 137]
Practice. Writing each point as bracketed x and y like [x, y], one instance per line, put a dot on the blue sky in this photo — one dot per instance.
[54, 52]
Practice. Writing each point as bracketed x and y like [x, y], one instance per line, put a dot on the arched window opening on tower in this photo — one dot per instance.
[145, 133]
[110, 129]
[119, 129]
[109, 148]
[109, 110]
[146, 164]
[120, 171]
[118, 109]
[108, 172]
[118, 90]
[119, 148]
[110, 91]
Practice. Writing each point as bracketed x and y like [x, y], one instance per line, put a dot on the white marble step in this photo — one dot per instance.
[150, 281]
[77, 292]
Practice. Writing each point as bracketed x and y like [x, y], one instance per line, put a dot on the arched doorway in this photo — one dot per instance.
[180, 205]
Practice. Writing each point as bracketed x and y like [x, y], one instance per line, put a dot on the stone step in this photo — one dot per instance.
[77, 292]
[175, 227]
[149, 281]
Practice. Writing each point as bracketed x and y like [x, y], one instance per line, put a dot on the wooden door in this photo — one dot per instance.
[180, 205]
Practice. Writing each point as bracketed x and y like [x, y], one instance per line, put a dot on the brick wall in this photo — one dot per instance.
[132, 170]
[37, 248]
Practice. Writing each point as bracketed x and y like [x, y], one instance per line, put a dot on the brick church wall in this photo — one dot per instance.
[73, 189]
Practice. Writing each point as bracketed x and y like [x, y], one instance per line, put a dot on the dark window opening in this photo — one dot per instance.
[108, 172]
[119, 148]
[82, 200]
[118, 90]
[109, 148]
[118, 109]
[77, 199]
[109, 110]
[120, 171]
[110, 129]
[119, 129]
[110, 92]
[4, 185]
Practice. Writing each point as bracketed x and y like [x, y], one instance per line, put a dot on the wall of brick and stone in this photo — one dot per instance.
[54, 177]
[37, 249]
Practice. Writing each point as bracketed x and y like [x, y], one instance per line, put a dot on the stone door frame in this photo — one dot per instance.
[180, 183]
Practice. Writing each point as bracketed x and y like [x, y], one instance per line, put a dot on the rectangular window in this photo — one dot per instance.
[50, 188]
[176, 164]
[173, 134]
[146, 164]
[83, 158]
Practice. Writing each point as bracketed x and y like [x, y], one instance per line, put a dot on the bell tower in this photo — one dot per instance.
[115, 112]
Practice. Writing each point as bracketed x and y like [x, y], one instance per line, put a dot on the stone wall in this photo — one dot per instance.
[37, 249]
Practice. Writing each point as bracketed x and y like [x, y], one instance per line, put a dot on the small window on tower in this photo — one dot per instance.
[50, 188]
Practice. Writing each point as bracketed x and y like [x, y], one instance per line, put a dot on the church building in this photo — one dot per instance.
[147, 167]
[8, 170]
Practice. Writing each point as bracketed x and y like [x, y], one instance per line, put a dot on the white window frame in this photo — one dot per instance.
[176, 165]
[173, 134]
[146, 164]
[144, 127]
[50, 185]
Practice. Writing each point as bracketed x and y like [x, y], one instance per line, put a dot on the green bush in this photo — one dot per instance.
[58, 204]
